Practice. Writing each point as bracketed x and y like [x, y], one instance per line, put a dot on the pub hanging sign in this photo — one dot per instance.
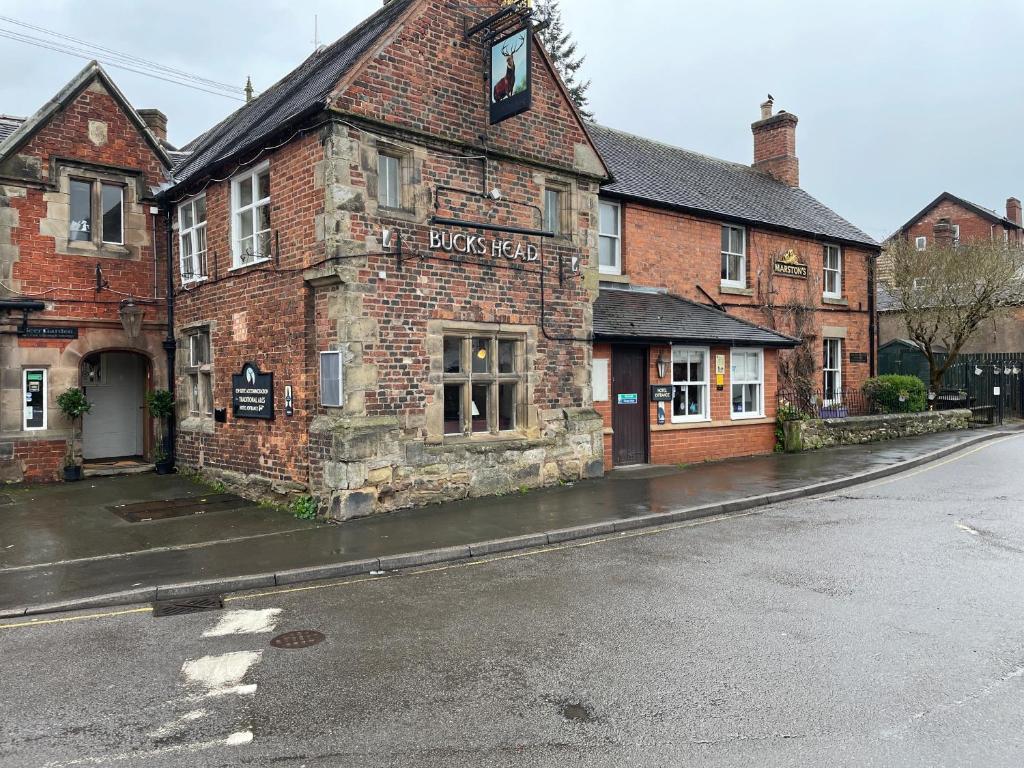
[511, 84]
[789, 265]
[252, 393]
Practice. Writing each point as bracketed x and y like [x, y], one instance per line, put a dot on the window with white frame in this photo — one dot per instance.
[734, 256]
[956, 235]
[34, 397]
[921, 242]
[192, 239]
[832, 370]
[199, 372]
[484, 380]
[389, 181]
[330, 379]
[746, 377]
[610, 238]
[833, 277]
[250, 216]
[690, 384]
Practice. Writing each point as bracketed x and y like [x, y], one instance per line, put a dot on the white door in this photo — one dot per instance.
[113, 426]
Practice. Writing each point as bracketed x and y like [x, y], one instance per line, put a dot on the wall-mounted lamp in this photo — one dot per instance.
[662, 364]
[131, 317]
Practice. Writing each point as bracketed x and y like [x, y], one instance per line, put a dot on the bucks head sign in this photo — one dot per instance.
[511, 83]
[252, 393]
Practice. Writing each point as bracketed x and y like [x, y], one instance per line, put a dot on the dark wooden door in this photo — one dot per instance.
[629, 405]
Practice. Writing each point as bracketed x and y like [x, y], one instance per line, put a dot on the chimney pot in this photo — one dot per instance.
[156, 121]
[1013, 210]
[766, 109]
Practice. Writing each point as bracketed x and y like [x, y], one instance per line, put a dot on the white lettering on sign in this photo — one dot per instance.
[477, 245]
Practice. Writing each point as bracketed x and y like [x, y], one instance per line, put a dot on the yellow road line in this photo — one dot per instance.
[512, 555]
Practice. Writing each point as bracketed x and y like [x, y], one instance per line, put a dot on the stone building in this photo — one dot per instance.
[365, 309]
[81, 281]
[720, 284]
[952, 217]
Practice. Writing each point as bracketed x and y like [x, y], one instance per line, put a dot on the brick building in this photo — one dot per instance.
[719, 284]
[949, 216]
[374, 247]
[79, 260]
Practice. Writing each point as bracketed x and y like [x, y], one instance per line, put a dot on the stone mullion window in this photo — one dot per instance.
[483, 379]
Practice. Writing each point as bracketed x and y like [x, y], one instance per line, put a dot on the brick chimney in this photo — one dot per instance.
[1013, 210]
[775, 145]
[156, 121]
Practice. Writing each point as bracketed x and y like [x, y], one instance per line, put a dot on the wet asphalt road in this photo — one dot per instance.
[880, 627]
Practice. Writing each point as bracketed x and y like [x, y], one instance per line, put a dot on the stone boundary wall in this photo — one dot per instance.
[809, 434]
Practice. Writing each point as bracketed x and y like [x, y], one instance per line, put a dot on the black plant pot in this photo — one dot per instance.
[164, 467]
[72, 474]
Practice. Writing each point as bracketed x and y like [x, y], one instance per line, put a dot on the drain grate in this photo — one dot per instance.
[182, 605]
[299, 638]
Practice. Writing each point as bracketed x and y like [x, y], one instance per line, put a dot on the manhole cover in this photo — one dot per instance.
[187, 605]
[299, 638]
[145, 511]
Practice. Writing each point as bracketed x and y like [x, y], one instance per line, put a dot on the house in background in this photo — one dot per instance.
[720, 283]
[82, 275]
[957, 219]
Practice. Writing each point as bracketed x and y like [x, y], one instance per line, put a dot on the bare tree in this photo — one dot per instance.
[946, 291]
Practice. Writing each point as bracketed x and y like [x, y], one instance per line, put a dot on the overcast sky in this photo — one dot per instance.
[898, 100]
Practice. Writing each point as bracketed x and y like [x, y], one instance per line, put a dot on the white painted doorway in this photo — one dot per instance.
[114, 383]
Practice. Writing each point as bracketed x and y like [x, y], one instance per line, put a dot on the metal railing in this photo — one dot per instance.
[816, 404]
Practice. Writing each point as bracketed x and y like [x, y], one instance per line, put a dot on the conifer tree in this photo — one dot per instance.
[562, 49]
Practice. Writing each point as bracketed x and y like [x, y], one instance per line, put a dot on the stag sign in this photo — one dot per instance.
[511, 90]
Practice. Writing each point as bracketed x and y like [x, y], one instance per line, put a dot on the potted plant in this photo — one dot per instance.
[73, 405]
[161, 407]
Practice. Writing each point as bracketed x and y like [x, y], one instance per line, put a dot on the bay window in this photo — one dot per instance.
[250, 217]
[484, 380]
[192, 239]
[746, 378]
[690, 384]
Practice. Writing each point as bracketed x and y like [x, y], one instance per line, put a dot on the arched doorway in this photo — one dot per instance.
[115, 385]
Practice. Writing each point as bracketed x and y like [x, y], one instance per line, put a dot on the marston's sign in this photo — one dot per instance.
[478, 245]
[789, 265]
[252, 393]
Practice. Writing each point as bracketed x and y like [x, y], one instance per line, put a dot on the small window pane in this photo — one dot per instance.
[263, 186]
[264, 218]
[245, 224]
[81, 211]
[506, 356]
[481, 353]
[112, 200]
[506, 406]
[452, 354]
[453, 409]
[245, 192]
[481, 398]
[200, 210]
[193, 393]
[330, 379]
[553, 211]
[606, 254]
[185, 216]
[609, 219]
[387, 181]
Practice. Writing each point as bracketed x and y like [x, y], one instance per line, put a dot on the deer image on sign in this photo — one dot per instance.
[511, 91]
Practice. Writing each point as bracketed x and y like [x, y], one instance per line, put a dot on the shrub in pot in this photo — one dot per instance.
[161, 407]
[73, 405]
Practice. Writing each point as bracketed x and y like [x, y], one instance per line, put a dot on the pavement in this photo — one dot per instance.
[64, 547]
[872, 627]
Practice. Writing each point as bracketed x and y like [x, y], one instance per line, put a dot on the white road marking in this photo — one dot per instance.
[234, 740]
[245, 622]
[168, 728]
[238, 738]
[968, 528]
[220, 674]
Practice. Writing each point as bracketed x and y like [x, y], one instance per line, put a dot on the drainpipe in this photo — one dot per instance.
[872, 314]
[170, 344]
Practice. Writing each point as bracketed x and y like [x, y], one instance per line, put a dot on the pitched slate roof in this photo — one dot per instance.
[624, 314]
[9, 125]
[302, 91]
[986, 213]
[91, 71]
[659, 173]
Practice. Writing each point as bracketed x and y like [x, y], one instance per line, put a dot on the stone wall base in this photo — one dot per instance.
[809, 434]
[370, 465]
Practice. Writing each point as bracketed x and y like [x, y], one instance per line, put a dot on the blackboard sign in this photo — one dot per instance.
[48, 332]
[858, 357]
[661, 393]
[252, 393]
